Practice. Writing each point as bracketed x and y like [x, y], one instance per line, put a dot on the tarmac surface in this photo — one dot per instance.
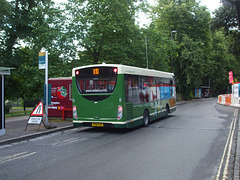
[15, 132]
[15, 126]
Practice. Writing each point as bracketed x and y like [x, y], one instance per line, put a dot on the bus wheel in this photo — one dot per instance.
[167, 111]
[145, 118]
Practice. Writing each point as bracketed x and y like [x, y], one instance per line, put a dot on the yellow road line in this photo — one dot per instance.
[227, 149]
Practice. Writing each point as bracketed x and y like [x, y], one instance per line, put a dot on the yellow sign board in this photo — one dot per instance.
[95, 71]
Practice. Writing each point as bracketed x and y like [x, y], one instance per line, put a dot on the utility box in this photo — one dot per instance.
[61, 97]
[205, 91]
[198, 93]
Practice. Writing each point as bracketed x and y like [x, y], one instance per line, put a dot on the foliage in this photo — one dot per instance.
[225, 27]
[15, 25]
[105, 30]
[225, 17]
[43, 28]
[182, 38]
[191, 22]
[191, 63]
[221, 61]
[158, 47]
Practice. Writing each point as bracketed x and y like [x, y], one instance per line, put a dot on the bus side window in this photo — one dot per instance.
[129, 86]
[70, 92]
[158, 89]
[126, 88]
[145, 90]
[135, 90]
[132, 88]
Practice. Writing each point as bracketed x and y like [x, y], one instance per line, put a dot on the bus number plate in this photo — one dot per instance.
[97, 124]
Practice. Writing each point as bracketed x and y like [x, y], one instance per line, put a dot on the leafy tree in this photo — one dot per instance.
[191, 22]
[105, 30]
[191, 62]
[158, 47]
[25, 82]
[221, 62]
[4, 13]
[46, 30]
[225, 17]
[15, 26]
[225, 21]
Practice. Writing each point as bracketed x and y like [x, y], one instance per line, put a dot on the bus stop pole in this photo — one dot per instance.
[46, 85]
[2, 129]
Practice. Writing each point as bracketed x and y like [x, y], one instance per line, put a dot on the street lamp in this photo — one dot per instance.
[172, 34]
[146, 51]
[172, 50]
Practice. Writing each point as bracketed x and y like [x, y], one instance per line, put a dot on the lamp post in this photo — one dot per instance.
[172, 49]
[146, 51]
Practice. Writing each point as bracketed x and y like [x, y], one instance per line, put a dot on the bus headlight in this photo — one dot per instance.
[120, 112]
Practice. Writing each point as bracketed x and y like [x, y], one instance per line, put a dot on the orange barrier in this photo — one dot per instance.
[228, 100]
[219, 99]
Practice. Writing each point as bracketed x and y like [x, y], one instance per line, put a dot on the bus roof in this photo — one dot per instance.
[60, 78]
[123, 69]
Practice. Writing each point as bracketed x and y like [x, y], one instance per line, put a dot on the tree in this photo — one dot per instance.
[46, 30]
[225, 21]
[15, 26]
[105, 30]
[225, 17]
[221, 62]
[5, 9]
[158, 48]
[25, 81]
[191, 22]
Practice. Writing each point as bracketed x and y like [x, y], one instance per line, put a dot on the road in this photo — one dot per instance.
[188, 145]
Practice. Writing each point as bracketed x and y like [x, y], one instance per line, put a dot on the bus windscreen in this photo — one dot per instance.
[96, 80]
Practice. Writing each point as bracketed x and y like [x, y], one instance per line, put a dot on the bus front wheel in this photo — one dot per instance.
[145, 118]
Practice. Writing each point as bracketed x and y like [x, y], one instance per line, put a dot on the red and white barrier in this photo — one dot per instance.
[228, 100]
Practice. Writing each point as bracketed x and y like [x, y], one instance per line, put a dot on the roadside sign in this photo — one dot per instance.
[36, 117]
[198, 93]
[41, 60]
[43, 64]
[231, 77]
[35, 120]
[38, 111]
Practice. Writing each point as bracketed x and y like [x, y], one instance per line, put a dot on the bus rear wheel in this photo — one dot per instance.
[167, 111]
[146, 118]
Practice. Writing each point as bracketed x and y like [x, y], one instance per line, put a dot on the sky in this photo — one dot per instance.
[211, 4]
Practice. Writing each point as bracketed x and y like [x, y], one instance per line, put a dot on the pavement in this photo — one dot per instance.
[237, 155]
[15, 129]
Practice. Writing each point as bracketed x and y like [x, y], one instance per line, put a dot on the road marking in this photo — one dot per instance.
[227, 149]
[67, 141]
[225, 172]
[15, 157]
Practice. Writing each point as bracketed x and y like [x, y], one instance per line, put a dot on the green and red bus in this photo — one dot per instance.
[119, 96]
